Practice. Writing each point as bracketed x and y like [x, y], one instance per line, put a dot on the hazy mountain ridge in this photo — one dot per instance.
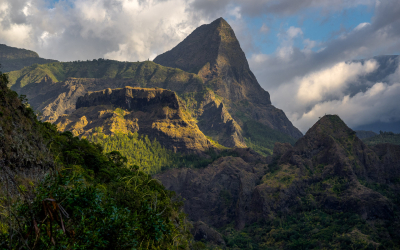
[12, 59]
[383, 137]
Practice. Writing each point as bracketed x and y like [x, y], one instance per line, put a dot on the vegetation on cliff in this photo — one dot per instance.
[262, 139]
[144, 73]
[84, 199]
[150, 156]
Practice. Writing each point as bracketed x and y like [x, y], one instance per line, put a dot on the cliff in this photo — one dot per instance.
[157, 113]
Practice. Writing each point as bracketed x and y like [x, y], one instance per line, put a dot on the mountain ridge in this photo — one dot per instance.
[12, 58]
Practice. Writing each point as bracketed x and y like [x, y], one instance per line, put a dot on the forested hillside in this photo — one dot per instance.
[61, 192]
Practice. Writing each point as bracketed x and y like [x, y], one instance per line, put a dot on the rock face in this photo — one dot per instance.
[157, 113]
[213, 52]
[329, 168]
[220, 193]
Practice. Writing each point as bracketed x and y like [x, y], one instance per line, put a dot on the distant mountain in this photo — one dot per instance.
[12, 59]
[362, 134]
[393, 126]
[383, 137]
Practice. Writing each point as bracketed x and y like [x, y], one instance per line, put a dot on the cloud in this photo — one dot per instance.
[361, 26]
[293, 32]
[379, 103]
[264, 28]
[280, 7]
[327, 91]
[82, 29]
[317, 86]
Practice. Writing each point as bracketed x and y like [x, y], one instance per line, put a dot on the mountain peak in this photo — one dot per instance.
[332, 125]
[213, 52]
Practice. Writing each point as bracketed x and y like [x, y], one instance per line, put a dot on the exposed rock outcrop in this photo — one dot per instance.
[203, 232]
[220, 193]
[157, 113]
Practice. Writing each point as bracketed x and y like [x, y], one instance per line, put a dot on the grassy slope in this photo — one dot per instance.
[143, 72]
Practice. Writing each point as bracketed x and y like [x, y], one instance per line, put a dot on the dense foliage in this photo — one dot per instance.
[383, 137]
[262, 139]
[315, 229]
[150, 156]
[91, 200]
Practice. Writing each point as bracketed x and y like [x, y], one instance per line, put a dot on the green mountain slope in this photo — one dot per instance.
[143, 73]
[12, 59]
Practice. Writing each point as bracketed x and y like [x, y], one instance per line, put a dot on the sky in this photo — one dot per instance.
[305, 53]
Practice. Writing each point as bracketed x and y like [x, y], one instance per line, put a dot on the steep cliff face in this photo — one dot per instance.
[213, 52]
[220, 193]
[157, 113]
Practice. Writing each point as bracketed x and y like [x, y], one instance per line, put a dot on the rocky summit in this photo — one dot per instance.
[157, 113]
[213, 52]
